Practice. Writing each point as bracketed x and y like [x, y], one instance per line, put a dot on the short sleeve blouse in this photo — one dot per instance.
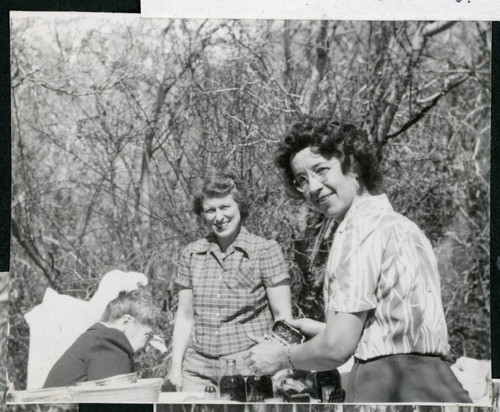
[381, 262]
[229, 290]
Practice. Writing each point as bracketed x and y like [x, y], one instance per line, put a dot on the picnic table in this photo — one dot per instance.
[142, 391]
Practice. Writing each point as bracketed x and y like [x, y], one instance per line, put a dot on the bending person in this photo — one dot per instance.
[232, 284]
[382, 287]
[107, 348]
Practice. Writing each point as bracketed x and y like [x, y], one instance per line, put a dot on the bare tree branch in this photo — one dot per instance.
[49, 272]
[422, 112]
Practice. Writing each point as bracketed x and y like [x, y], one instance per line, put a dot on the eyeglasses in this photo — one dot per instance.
[301, 182]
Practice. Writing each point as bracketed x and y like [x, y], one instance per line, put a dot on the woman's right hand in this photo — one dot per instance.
[307, 326]
[175, 377]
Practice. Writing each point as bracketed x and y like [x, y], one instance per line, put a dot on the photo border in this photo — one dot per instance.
[134, 6]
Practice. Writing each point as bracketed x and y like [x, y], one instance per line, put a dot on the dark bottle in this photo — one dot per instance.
[328, 385]
[232, 384]
[267, 386]
[259, 388]
[336, 396]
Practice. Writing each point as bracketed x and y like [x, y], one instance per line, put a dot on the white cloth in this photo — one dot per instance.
[60, 319]
[475, 377]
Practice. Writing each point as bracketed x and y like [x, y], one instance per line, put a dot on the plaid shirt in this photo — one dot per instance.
[229, 290]
[382, 262]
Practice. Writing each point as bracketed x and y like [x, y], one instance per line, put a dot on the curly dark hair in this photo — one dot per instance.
[219, 184]
[331, 139]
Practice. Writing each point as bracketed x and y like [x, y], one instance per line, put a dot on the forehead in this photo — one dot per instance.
[308, 160]
[217, 201]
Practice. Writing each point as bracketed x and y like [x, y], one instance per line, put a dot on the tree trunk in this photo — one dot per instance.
[309, 97]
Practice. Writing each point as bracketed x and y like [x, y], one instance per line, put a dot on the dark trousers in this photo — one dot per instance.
[404, 378]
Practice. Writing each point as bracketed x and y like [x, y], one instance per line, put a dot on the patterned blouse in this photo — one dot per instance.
[382, 262]
[229, 290]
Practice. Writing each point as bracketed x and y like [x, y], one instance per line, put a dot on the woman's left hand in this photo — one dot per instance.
[266, 358]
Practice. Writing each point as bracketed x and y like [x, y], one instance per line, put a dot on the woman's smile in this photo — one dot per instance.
[221, 226]
[324, 198]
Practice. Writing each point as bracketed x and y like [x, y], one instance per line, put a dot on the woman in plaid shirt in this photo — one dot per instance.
[382, 288]
[231, 284]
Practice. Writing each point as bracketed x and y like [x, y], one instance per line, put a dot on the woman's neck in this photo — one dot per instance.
[224, 243]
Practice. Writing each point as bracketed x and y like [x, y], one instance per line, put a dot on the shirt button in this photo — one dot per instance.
[216, 332]
[218, 296]
[218, 314]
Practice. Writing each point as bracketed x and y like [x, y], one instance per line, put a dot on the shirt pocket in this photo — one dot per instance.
[244, 278]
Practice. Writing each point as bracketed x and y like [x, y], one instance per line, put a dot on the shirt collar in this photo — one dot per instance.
[243, 241]
[364, 207]
[209, 243]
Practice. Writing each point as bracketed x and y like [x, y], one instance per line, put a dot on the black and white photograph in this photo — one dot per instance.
[239, 212]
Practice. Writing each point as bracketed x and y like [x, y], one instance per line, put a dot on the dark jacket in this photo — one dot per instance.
[98, 353]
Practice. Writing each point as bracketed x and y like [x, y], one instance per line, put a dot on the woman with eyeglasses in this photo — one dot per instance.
[382, 287]
[232, 284]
